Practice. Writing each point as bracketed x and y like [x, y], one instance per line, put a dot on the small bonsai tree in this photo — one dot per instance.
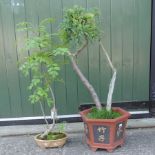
[43, 66]
[79, 27]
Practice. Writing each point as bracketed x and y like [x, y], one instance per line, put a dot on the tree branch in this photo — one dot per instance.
[113, 79]
[53, 116]
[82, 48]
[42, 109]
[85, 82]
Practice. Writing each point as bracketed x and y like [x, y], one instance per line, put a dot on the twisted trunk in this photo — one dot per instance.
[53, 116]
[85, 82]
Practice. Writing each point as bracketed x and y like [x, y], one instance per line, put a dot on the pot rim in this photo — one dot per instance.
[41, 140]
[125, 115]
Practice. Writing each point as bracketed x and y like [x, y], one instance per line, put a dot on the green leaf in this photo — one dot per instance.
[78, 25]
[60, 51]
[41, 65]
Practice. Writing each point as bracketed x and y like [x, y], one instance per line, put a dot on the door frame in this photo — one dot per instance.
[152, 62]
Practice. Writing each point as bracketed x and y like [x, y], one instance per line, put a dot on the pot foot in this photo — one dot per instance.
[93, 149]
[121, 145]
[42, 147]
[60, 146]
[110, 150]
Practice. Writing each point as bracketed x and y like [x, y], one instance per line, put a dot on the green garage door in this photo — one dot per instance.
[126, 25]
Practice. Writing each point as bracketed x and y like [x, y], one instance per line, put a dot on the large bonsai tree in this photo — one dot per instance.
[79, 27]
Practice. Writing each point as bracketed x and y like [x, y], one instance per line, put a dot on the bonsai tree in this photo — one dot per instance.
[104, 127]
[79, 27]
[43, 66]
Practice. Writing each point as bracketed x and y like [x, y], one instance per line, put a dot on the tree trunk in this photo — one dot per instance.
[85, 82]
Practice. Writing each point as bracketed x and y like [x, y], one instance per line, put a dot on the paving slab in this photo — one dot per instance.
[69, 127]
[138, 142]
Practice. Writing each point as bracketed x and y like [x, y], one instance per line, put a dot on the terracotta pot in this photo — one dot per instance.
[105, 133]
[50, 143]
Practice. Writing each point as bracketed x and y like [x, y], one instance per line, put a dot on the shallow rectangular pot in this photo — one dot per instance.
[105, 133]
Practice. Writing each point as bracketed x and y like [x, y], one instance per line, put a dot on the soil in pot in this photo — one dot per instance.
[102, 114]
[53, 136]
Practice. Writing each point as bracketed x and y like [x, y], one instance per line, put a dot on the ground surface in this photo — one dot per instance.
[138, 142]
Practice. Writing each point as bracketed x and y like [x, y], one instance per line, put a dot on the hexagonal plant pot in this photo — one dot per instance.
[105, 133]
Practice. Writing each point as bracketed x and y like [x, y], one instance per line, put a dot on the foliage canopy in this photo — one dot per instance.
[42, 64]
[78, 26]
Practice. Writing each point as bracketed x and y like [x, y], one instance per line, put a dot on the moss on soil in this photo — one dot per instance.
[102, 114]
[53, 136]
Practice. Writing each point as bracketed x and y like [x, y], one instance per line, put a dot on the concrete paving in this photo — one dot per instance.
[70, 127]
[18, 140]
[138, 142]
